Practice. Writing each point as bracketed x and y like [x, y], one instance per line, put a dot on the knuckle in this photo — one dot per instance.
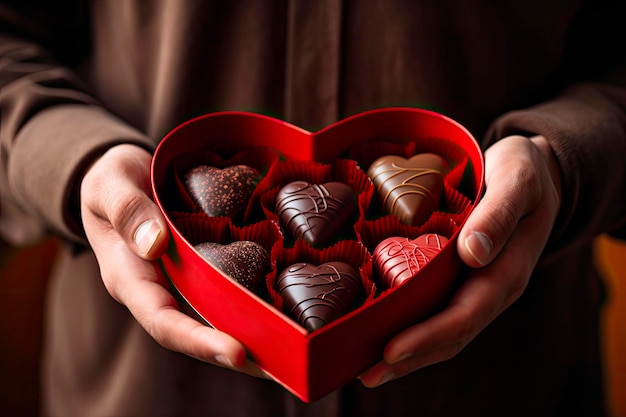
[92, 185]
[151, 328]
[517, 288]
[505, 217]
[525, 178]
[153, 324]
[524, 192]
[150, 325]
[124, 209]
[111, 287]
[467, 325]
[453, 350]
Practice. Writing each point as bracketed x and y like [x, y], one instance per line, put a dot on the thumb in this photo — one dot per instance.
[510, 194]
[150, 239]
[115, 196]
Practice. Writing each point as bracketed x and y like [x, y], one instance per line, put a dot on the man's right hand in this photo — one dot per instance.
[127, 233]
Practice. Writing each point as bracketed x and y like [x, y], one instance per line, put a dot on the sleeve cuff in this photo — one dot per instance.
[585, 127]
[50, 154]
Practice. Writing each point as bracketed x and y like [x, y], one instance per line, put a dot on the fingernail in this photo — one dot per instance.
[146, 235]
[479, 247]
[224, 360]
[386, 378]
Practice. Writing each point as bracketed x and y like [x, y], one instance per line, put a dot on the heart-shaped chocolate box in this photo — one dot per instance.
[311, 364]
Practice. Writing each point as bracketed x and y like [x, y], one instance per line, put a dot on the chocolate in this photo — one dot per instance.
[316, 295]
[245, 261]
[410, 189]
[397, 259]
[222, 192]
[316, 213]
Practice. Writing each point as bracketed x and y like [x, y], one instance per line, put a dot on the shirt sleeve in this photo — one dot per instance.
[585, 123]
[51, 128]
[586, 127]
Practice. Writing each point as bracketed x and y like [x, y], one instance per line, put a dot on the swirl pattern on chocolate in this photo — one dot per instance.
[397, 259]
[316, 295]
[315, 212]
[411, 188]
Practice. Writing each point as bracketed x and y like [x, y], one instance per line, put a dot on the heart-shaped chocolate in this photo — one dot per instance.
[397, 259]
[411, 188]
[316, 295]
[222, 192]
[316, 213]
[245, 261]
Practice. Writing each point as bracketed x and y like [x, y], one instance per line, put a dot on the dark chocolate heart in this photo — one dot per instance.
[245, 261]
[222, 192]
[397, 259]
[411, 188]
[316, 213]
[316, 295]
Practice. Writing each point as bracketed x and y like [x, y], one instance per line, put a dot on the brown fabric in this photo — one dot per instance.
[77, 79]
[559, 120]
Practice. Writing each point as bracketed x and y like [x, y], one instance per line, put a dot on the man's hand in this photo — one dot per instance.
[127, 231]
[502, 241]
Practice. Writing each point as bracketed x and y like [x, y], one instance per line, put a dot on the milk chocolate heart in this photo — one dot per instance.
[317, 213]
[245, 261]
[316, 295]
[397, 259]
[411, 188]
[222, 192]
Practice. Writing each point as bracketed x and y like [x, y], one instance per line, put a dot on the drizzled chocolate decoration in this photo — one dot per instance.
[397, 259]
[316, 295]
[411, 188]
[222, 192]
[245, 261]
[316, 213]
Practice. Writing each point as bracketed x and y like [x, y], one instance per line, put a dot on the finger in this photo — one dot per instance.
[383, 372]
[512, 190]
[116, 189]
[492, 289]
[438, 339]
[143, 289]
[485, 294]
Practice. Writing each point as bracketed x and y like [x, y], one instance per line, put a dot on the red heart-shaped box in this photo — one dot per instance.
[310, 365]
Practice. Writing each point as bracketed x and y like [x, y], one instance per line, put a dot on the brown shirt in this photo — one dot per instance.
[77, 79]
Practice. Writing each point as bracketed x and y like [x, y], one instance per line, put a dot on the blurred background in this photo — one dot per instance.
[23, 276]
